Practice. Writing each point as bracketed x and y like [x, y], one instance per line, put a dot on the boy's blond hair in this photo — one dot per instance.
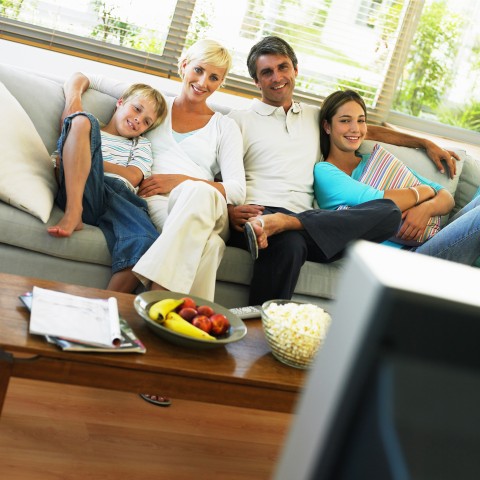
[152, 95]
[207, 51]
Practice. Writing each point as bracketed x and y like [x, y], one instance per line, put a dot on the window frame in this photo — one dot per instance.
[166, 65]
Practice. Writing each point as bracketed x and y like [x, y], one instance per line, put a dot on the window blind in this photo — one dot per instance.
[359, 44]
[133, 34]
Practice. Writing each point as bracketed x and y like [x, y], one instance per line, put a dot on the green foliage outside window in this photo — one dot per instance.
[200, 23]
[429, 70]
[10, 7]
[115, 30]
[467, 116]
[444, 56]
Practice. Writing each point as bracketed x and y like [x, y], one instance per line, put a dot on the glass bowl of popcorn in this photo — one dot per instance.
[294, 330]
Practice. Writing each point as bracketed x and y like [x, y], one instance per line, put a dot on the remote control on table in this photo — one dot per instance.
[247, 312]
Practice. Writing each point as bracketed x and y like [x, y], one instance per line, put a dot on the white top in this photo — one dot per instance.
[216, 148]
[126, 152]
[280, 151]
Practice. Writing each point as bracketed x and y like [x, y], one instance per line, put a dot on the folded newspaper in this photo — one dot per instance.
[129, 342]
[80, 324]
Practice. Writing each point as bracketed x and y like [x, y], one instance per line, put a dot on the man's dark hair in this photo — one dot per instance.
[269, 46]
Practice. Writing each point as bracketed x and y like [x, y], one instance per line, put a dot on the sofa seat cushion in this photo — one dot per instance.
[25, 231]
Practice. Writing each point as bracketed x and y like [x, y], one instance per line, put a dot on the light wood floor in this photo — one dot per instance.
[50, 431]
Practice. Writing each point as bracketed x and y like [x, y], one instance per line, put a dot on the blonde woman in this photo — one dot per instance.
[191, 149]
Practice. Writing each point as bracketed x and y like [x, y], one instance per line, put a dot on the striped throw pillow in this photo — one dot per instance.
[384, 171]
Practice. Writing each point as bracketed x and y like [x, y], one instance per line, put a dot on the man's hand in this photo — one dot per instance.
[437, 154]
[160, 184]
[434, 152]
[239, 214]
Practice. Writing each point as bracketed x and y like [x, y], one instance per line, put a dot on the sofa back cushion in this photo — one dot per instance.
[468, 183]
[42, 99]
[27, 181]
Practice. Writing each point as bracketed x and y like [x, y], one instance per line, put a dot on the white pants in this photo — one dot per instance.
[193, 221]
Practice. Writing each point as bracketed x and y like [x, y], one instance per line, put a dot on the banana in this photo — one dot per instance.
[159, 310]
[176, 323]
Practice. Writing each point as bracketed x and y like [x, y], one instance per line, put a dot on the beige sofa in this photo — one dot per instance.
[26, 248]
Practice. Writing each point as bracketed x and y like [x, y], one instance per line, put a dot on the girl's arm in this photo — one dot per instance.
[406, 198]
[415, 219]
[334, 188]
[440, 203]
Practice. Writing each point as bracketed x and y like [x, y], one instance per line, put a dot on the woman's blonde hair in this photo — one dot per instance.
[207, 51]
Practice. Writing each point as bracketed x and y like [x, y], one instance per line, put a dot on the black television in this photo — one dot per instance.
[394, 393]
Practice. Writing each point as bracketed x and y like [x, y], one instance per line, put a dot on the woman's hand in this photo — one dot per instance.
[415, 221]
[239, 214]
[160, 184]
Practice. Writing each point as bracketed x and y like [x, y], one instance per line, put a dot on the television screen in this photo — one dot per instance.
[394, 392]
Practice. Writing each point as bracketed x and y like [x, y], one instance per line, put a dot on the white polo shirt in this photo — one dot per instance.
[280, 151]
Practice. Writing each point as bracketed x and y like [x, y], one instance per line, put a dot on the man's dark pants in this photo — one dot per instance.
[325, 236]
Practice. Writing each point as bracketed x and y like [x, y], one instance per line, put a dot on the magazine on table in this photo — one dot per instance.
[121, 340]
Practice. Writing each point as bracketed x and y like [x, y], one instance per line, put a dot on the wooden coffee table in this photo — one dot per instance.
[243, 374]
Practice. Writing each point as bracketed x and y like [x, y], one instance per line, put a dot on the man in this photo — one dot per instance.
[281, 147]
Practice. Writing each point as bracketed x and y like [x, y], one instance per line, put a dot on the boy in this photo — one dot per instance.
[98, 172]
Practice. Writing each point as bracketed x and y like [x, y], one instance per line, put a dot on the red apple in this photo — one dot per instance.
[202, 322]
[188, 303]
[220, 324]
[187, 313]
[205, 310]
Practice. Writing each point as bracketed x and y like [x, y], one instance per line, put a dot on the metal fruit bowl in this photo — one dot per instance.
[143, 301]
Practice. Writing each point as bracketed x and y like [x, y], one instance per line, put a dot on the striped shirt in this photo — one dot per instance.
[127, 152]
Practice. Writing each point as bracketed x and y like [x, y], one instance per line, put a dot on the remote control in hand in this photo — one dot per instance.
[247, 312]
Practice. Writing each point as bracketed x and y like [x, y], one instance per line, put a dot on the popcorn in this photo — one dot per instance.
[295, 331]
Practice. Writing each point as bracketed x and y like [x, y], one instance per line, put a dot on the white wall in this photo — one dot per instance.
[62, 65]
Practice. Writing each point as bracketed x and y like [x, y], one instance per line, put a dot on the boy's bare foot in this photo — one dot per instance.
[64, 228]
